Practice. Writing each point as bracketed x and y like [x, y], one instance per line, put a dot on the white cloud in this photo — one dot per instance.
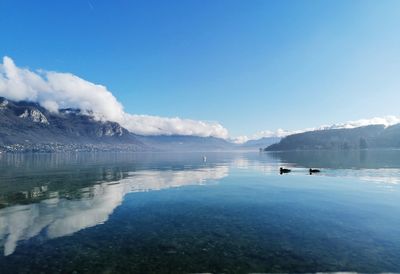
[54, 90]
[59, 217]
[279, 133]
[389, 120]
[145, 124]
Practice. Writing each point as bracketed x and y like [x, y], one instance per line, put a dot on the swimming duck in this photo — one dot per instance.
[314, 170]
[284, 170]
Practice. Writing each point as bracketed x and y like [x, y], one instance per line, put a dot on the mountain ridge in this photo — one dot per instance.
[28, 127]
[371, 136]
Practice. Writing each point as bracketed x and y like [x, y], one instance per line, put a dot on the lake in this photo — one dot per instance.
[176, 213]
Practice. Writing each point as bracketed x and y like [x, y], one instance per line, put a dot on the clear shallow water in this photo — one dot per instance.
[174, 213]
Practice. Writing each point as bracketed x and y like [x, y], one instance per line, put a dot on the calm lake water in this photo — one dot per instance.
[172, 213]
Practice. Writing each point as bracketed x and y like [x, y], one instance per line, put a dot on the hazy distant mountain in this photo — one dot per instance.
[260, 143]
[192, 143]
[374, 136]
[185, 143]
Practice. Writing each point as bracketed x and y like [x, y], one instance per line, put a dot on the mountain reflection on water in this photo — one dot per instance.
[60, 217]
[379, 166]
[173, 212]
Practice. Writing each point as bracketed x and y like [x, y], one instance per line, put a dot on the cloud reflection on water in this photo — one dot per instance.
[57, 217]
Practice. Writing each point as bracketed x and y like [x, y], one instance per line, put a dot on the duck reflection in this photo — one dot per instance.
[57, 217]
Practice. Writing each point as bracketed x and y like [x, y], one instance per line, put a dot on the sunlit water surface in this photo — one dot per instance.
[148, 213]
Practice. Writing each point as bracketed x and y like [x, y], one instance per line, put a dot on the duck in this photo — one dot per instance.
[284, 170]
[311, 170]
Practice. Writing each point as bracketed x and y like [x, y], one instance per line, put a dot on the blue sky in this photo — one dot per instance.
[250, 65]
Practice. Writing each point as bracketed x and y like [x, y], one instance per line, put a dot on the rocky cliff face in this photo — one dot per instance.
[35, 116]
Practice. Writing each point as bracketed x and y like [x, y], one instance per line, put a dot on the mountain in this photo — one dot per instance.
[27, 126]
[390, 137]
[185, 143]
[373, 136]
[195, 143]
[260, 143]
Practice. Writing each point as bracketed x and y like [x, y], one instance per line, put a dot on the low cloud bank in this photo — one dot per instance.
[387, 121]
[154, 125]
[55, 90]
